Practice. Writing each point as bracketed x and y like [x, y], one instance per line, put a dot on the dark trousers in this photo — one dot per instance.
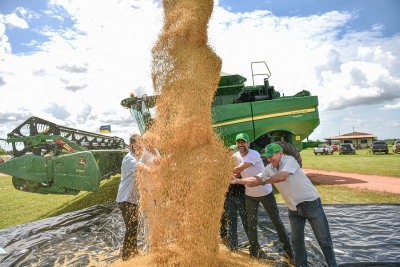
[235, 205]
[223, 232]
[130, 216]
[269, 203]
[313, 212]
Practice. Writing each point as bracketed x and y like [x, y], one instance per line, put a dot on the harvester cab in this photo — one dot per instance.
[258, 110]
[54, 159]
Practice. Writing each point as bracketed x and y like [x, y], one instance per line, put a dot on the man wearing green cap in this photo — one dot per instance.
[251, 164]
[301, 198]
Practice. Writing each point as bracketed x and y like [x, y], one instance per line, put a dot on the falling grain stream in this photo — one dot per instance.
[183, 196]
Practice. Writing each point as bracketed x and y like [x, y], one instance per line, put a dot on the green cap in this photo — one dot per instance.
[242, 136]
[233, 147]
[272, 149]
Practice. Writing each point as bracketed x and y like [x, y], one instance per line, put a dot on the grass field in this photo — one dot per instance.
[362, 162]
[19, 207]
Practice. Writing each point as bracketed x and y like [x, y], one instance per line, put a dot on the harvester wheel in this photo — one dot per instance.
[290, 150]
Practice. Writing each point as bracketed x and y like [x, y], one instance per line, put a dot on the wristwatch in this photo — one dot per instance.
[263, 181]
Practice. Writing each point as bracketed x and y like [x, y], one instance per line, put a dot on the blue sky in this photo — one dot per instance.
[72, 62]
[25, 37]
[368, 12]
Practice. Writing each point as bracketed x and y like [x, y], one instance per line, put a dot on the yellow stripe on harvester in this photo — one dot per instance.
[274, 115]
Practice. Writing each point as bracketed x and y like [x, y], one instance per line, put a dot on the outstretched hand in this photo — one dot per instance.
[249, 182]
[252, 181]
[233, 180]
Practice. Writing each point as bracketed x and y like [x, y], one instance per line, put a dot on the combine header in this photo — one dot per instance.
[54, 159]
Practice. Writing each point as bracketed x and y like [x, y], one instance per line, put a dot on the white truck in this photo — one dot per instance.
[323, 149]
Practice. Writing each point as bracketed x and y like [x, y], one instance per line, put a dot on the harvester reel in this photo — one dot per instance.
[56, 159]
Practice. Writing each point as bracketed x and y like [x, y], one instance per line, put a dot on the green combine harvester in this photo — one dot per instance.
[54, 159]
[258, 110]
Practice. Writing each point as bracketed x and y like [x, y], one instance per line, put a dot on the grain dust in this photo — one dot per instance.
[182, 196]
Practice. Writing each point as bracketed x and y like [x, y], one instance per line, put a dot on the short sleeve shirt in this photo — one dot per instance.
[297, 187]
[254, 158]
[236, 190]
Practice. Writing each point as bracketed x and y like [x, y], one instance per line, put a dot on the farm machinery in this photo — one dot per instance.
[258, 110]
[53, 159]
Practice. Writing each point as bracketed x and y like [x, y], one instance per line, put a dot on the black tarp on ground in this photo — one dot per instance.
[363, 235]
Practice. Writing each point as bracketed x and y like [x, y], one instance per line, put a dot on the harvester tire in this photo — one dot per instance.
[290, 150]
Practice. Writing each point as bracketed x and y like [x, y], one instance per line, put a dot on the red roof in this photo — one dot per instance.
[353, 135]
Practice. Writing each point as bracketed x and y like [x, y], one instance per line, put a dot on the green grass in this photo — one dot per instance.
[362, 162]
[335, 194]
[20, 207]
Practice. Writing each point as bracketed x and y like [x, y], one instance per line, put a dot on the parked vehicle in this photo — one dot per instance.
[347, 149]
[323, 149]
[379, 147]
[335, 147]
[396, 147]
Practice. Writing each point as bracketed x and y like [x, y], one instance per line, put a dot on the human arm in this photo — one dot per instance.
[144, 168]
[244, 181]
[241, 167]
[235, 180]
[259, 180]
[149, 160]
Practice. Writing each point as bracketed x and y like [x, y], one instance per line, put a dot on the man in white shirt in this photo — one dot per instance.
[127, 199]
[302, 200]
[252, 165]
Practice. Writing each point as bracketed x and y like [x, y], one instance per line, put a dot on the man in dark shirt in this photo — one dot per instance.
[235, 203]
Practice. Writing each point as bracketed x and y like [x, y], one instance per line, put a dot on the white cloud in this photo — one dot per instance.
[5, 47]
[15, 21]
[83, 72]
[396, 105]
